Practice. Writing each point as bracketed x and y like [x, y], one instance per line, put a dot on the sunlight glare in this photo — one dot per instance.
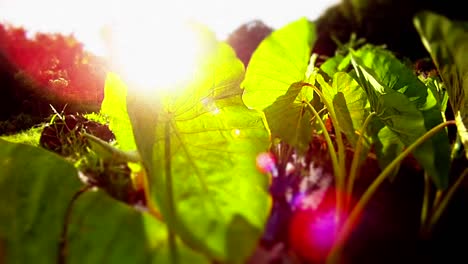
[157, 57]
[235, 133]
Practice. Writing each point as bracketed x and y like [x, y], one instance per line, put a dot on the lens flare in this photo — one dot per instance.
[266, 163]
[313, 231]
[155, 56]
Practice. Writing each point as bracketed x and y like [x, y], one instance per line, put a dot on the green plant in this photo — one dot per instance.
[185, 158]
[370, 97]
[196, 153]
[447, 42]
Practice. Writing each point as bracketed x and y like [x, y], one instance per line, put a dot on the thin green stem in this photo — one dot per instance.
[356, 159]
[440, 207]
[351, 222]
[437, 198]
[336, 125]
[331, 148]
[341, 175]
[170, 197]
[425, 204]
[319, 112]
[63, 246]
[334, 158]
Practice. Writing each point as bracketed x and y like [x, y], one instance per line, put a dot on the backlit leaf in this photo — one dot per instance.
[447, 43]
[114, 106]
[273, 81]
[403, 104]
[349, 101]
[199, 147]
[102, 230]
[280, 60]
[288, 117]
[36, 187]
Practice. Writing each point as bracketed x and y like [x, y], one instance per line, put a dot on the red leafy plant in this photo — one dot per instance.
[56, 62]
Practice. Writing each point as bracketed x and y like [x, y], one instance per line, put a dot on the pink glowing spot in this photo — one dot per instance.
[323, 229]
[312, 232]
[266, 163]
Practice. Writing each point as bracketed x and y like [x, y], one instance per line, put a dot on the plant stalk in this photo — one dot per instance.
[63, 246]
[440, 207]
[340, 177]
[333, 156]
[425, 204]
[351, 222]
[331, 148]
[170, 196]
[355, 161]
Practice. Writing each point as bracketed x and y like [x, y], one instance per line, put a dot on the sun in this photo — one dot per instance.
[155, 55]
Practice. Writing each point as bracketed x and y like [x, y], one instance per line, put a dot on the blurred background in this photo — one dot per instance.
[87, 18]
[65, 65]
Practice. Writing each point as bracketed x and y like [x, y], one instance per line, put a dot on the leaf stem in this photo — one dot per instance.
[356, 159]
[350, 223]
[63, 246]
[170, 196]
[425, 204]
[440, 207]
[333, 156]
[341, 173]
[331, 148]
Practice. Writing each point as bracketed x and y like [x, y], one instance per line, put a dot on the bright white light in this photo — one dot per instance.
[235, 133]
[215, 111]
[148, 47]
[155, 55]
[85, 18]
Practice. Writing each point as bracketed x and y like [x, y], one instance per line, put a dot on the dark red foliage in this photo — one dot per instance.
[67, 131]
[57, 63]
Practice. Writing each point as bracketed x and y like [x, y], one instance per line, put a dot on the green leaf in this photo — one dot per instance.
[274, 82]
[199, 147]
[280, 60]
[288, 117]
[403, 104]
[114, 106]
[36, 187]
[447, 43]
[438, 91]
[349, 101]
[337, 63]
[387, 145]
[102, 230]
[391, 73]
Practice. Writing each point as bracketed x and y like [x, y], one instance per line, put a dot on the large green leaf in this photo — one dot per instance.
[199, 147]
[114, 106]
[102, 230]
[36, 187]
[273, 81]
[447, 43]
[349, 101]
[387, 144]
[403, 104]
[280, 60]
[288, 117]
